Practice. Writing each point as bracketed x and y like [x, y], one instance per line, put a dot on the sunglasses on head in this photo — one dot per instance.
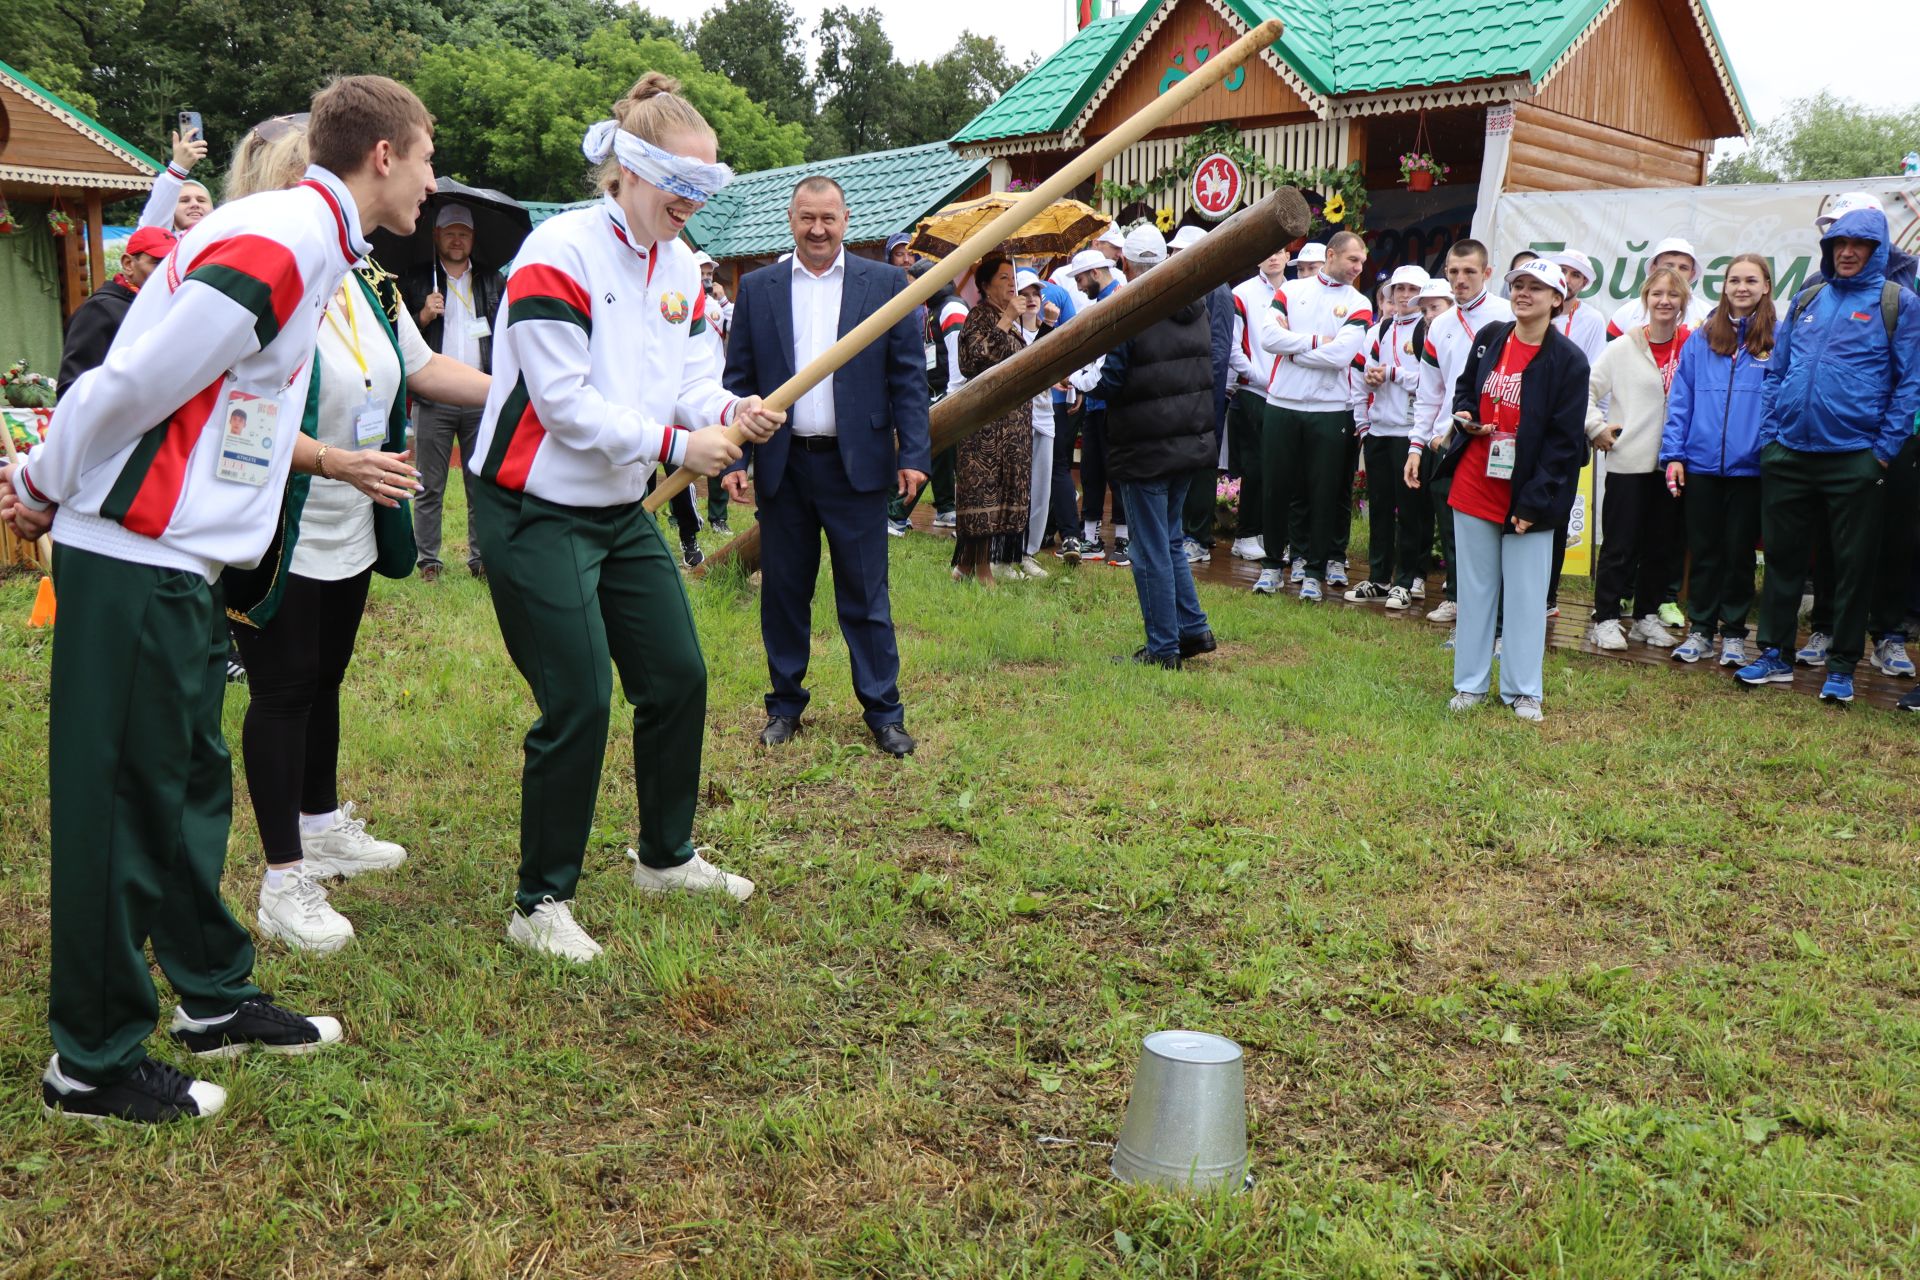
[280, 126]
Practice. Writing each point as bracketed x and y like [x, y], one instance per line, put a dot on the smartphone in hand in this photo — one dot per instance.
[188, 124]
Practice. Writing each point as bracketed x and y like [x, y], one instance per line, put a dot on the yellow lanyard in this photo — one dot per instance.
[353, 342]
[466, 295]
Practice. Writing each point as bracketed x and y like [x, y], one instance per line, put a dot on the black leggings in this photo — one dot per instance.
[680, 506]
[291, 739]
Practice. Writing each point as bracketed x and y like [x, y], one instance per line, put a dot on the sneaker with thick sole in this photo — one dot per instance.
[1911, 702]
[153, 1093]
[1464, 701]
[1008, 572]
[695, 875]
[1310, 591]
[1249, 549]
[945, 520]
[1653, 632]
[1268, 583]
[1768, 668]
[258, 1023]
[720, 526]
[898, 528]
[298, 914]
[1032, 568]
[551, 928]
[1092, 549]
[691, 555]
[1367, 592]
[1419, 588]
[1671, 614]
[1814, 652]
[1890, 658]
[1069, 550]
[1607, 635]
[1733, 652]
[1527, 707]
[1445, 611]
[1693, 648]
[1399, 598]
[1336, 573]
[345, 849]
[1838, 688]
[1194, 552]
[1118, 557]
[1297, 574]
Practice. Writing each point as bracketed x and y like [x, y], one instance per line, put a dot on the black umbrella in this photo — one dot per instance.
[500, 224]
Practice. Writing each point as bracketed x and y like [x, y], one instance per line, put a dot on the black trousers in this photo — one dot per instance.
[1064, 510]
[1246, 417]
[1396, 542]
[1093, 472]
[1437, 489]
[680, 506]
[1723, 525]
[1639, 521]
[1800, 495]
[290, 740]
[1895, 530]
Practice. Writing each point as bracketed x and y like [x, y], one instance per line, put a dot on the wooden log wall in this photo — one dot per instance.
[1554, 152]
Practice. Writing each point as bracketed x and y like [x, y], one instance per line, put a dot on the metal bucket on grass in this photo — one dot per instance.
[1186, 1123]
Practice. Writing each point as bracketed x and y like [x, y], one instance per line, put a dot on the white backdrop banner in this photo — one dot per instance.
[1618, 229]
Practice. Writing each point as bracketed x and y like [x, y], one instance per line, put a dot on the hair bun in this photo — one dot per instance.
[652, 84]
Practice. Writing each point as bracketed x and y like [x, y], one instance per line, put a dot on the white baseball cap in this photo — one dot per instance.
[1849, 202]
[1312, 251]
[1088, 260]
[453, 215]
[1145, 245]
[1409, 274]
[1187, 237]
[1545, 272]
[1437, 287]
[1673, 244]
[1111, 236]
[1025, 279]
[701, 258]
[1573, 260]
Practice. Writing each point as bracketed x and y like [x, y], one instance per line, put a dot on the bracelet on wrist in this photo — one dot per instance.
[320, 463]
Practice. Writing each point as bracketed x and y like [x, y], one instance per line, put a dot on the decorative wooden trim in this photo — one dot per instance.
[1309, 145]
[1720, 67]
[1028, 145]
[1075, 135]
[68, 178]
[1579, 43]
[79, 126]
[1459, 95]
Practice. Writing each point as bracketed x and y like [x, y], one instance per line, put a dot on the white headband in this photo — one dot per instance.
[677, 175]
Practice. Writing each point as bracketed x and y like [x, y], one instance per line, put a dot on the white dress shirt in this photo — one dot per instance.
[456, 322]
[816, 326]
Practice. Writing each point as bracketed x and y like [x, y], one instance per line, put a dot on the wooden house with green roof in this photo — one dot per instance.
[1513, 95]
[54, 159]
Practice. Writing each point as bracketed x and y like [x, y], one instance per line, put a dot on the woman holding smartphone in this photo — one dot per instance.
[1710, 450]
[1515, 458]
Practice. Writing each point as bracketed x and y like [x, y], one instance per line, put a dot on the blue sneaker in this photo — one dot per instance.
[1336, 573]
[898, 528]
[1693, 648]
[1765, 669]
[1448, 642]
[1815, 651]
[1838, 688]
[1310, 590]
[1269, 583]
[1890, 657]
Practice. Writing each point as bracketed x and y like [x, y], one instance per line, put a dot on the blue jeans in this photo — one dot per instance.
[1160, 572]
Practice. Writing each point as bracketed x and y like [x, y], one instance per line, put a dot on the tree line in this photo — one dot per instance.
[513, 84]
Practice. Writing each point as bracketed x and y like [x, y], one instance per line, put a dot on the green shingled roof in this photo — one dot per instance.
[887, 191]
[1382, 45]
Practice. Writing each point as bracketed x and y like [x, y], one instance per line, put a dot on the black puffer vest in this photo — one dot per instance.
[1161, 423]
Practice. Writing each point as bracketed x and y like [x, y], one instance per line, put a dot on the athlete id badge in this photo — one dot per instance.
[369, 423]
[478, 328]
[1500, 454]
[248, 425]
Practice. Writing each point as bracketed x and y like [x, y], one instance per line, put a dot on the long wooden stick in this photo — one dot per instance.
[977, 246]
[1228, 254]
[43, 544]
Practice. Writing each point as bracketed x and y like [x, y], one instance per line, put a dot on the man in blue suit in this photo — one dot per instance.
[848, 444]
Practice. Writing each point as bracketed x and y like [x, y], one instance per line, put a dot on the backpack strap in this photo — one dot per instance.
[1802, 299]
[1890, 309]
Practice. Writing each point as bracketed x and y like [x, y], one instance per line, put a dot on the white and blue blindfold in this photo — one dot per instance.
[676, 175]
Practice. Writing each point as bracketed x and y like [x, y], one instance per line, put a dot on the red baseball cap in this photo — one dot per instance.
[155, 242]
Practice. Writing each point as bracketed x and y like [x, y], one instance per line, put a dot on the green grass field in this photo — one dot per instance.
[1633, 993]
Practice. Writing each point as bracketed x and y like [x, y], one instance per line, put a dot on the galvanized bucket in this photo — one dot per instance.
[1186, 1124]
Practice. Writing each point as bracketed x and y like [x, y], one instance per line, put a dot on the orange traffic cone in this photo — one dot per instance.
[42, 615]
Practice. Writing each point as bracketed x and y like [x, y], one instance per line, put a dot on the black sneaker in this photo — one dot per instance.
[720, 526]
[1069, 550]
[1092, 549]
[1195, 645]
[154, 1094]
[257, 1022]
[1140, 657]
[691, 555]
[236, 673]
[1911, 702]
[1118, 557]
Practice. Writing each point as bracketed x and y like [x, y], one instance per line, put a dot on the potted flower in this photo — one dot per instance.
[1420, 171]
[58, 223]
[7, 225]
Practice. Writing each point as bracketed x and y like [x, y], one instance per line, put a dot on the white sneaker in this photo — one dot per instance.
[552, 929]
[345, 849]
[1445, 611]
[945, 520]
[299, 914]
[1419, 588]
[1527, 707]
[1249, 549]
[696, 875]
[1298, 573]
[1399, 598]
[1654, 632]
[1464, 701]
[1607, 635]
[1268, 583]
[1008, 572]
[1031, 567]
[1733, 652]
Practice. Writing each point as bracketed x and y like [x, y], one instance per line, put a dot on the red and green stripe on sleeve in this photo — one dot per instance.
[259, 274]
[538, 291]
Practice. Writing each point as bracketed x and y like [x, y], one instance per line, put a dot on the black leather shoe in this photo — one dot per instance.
[1195, 645]
[779, 730]
[894, 740]
[1145, 659]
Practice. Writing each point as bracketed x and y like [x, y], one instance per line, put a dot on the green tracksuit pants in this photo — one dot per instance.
[1801, 493]
[142, 795]
[573, 587]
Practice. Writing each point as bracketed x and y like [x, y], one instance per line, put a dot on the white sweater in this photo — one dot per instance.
[1315, 327]
[1626, 373]
[1250, 368]
[133, 449]
[601, 365]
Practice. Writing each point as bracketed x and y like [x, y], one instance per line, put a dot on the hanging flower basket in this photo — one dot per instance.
[58, 223]
[1419, 170]
[7, 225]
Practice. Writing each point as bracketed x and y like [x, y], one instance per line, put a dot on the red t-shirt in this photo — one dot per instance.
[1474, 491]
[1666, 355]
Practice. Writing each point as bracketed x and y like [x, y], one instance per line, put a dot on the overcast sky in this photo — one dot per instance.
[1777, 51]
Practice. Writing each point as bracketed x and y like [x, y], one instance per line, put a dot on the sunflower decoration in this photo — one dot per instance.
[1336, 210]
[1163, 219]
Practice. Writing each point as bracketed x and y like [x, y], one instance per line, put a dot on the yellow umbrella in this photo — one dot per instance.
[1055, 231]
